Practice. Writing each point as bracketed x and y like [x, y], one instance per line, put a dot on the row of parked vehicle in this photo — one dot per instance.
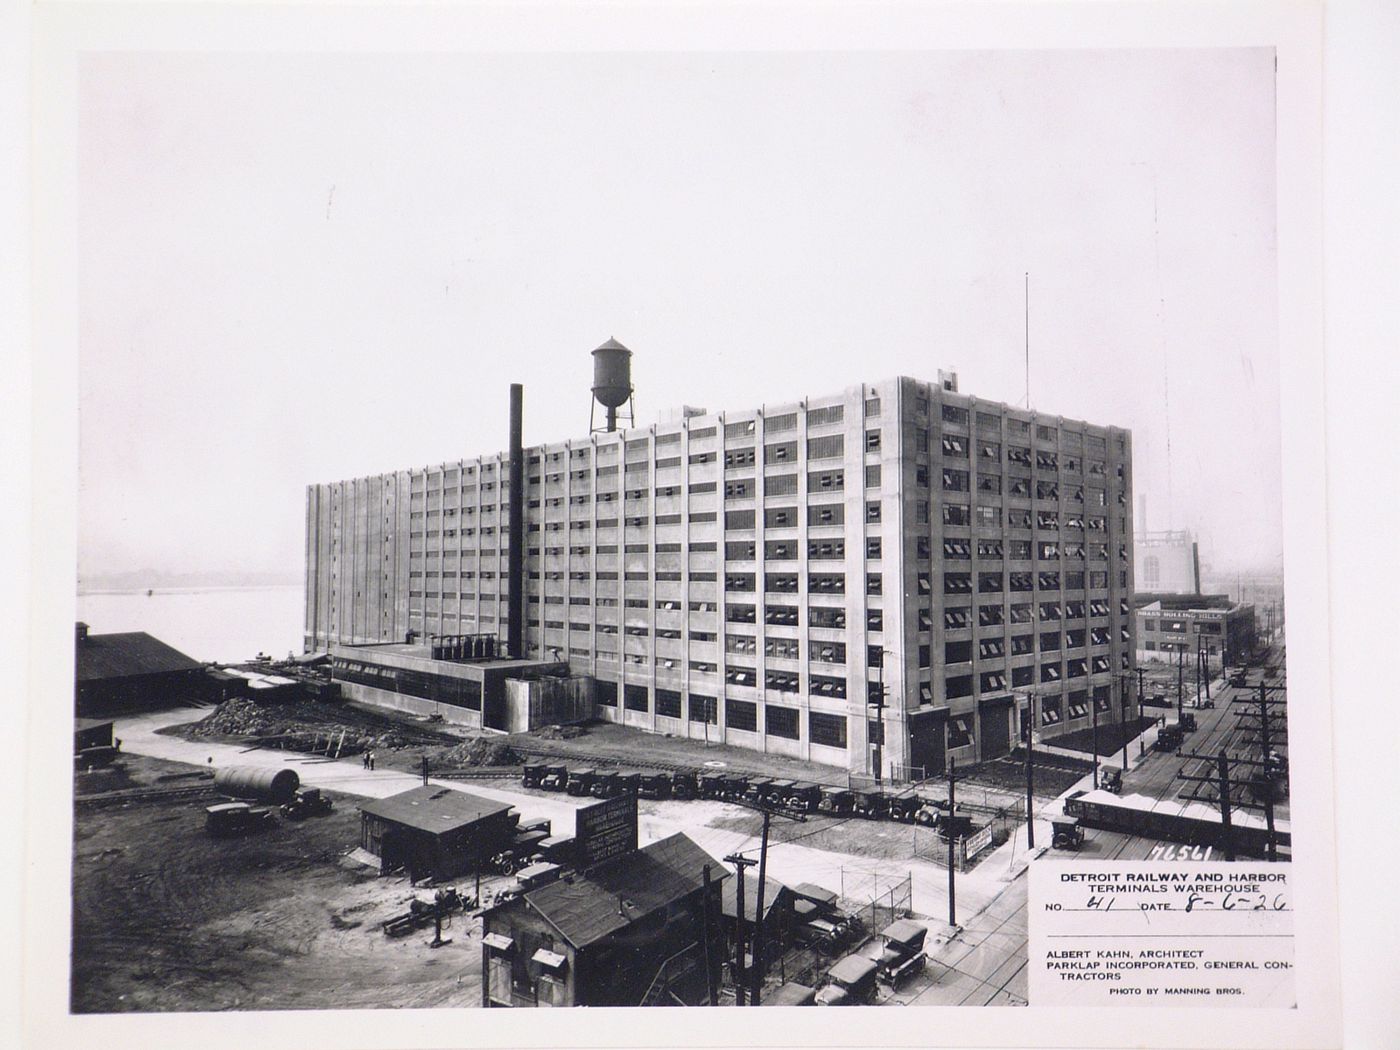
[798, 796]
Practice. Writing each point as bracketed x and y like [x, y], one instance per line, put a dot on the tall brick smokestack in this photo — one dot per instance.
[515, 567]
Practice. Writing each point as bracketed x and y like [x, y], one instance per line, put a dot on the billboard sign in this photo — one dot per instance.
[605, 830]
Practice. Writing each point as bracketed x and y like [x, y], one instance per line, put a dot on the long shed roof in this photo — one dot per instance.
[613, 895]
[106, 656]
[433, 809]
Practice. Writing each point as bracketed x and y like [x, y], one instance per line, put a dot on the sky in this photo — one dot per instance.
[296, 269]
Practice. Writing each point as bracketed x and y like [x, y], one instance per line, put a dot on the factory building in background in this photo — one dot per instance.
[878, 576]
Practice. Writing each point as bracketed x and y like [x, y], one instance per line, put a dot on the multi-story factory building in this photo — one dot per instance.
[760, 577]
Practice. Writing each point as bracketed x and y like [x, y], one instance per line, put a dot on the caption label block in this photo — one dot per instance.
[1138, 933]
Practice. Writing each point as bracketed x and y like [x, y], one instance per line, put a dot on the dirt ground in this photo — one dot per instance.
[167, 918]
[1110, 737]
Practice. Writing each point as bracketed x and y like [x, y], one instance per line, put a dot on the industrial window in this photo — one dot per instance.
[780, 615]
[957, 652]
[780, 583]
[1098, 580]
[957, 619]
[956, 688]
[741, 429]
[779, 550]
[1074, 610]
[740, 550]
[989, 582]
[781, 681]
[703, 709]
[1020, 487]
[780, 485]
[827, 652]
[954, 414]
[635, 697]
[784, 422]
[1022, 676]
[742, 489]
[955, 514]
[993, 681]
[872, 512]
[737, 519]
[826, 583]
[990, 483]
[955, 480]
[988, 648]
[826, 514]
[954, 445]
[872, 441]
[1049, 610]
[1074, 639]
[1049, 641]
[989, 450]
[874, 583]
[1047, 490]
[742, 644]
[925, 619]
[739, 581]
[874, 619]
[829, 414]
[832, 446]
[990, 615]
[921, 475]
[780, 721]
[741, 676]
[1022, 644]
[872, 476]
[782, 648]
[1077, 669]
[827, 730]
[697, 458]
[826, 685]
[989, 548]
[827, 480]
[954, 548]
[1099, 607]
[779, 517]
[819, 550]
[739, 457]
[820, 616]
[957, 583]
[1100, 664]
[739, 714]
[739, 613]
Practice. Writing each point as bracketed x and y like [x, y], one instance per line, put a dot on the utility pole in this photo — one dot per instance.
[1030, 771]
[1093, 703]
[1123, 681]
[425, 770]
[740, 862]
[952, 842]
[756, 991]
[1180, 681]
[1264, 747]
[878, 723]
[709, 935]
[1227, 839]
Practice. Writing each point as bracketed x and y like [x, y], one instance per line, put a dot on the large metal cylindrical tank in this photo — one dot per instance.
[612, 374]
[257, 783]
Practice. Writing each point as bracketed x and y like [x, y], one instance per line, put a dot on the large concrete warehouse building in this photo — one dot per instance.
[761, 576]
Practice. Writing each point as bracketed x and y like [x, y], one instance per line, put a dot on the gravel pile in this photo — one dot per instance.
[294, 728]
[482, 751]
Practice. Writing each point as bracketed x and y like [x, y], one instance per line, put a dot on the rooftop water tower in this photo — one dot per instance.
[612, 384]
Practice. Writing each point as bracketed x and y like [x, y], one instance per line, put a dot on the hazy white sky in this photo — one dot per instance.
[298, 269]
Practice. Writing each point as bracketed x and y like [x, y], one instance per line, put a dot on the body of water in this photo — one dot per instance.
[226, 624]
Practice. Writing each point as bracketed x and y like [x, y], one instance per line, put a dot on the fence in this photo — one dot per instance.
[901, 776]
[875, 898]
[932, 847]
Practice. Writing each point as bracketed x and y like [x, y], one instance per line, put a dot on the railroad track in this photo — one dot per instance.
[183, 792]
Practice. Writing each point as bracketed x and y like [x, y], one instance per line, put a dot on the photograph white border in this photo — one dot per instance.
[64, 32]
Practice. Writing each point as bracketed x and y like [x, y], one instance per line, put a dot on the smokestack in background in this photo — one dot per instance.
[515, 565]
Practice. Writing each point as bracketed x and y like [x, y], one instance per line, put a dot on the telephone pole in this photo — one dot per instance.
[952, 843]
[1030, 771]
[740, 862]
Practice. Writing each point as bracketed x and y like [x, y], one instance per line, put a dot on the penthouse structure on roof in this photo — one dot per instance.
[762, 576]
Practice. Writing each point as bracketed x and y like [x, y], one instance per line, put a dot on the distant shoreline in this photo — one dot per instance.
[89, 592]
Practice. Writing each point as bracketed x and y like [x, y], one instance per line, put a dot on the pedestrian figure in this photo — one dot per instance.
[371, 760]
[364, 760]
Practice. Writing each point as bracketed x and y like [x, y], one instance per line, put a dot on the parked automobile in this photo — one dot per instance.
[803, 796]
[533, 774]
[308, 802]
[899, 950]
[654, 785]
[237, 818]
[851, 982]
[1111, 779]
[605, 785]
[685, 784]
[555, 778]
[1067, 833]
[580, 780]
[870, 804]
[835, 800]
